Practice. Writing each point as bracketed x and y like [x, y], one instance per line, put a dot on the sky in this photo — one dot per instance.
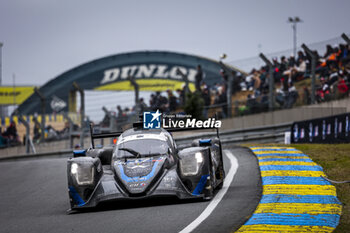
[44, 38]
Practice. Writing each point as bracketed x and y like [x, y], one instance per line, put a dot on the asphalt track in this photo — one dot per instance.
[34, 198]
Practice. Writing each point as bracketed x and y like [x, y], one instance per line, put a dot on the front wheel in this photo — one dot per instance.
[209, 187]
[222, 176]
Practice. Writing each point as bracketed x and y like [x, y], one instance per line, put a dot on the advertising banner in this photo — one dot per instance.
[14, 95]
[333, 129]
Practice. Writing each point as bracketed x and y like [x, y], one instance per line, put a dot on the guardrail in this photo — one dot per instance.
[264, 134]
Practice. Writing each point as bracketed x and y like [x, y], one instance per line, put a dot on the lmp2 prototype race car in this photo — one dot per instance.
[144, 163]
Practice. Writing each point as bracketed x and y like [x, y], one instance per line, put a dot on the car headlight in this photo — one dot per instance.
[83, 173]
[190, 165]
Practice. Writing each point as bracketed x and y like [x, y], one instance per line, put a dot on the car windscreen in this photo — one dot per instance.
[144, 147]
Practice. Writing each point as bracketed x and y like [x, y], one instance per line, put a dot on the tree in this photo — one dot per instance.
[194, 104]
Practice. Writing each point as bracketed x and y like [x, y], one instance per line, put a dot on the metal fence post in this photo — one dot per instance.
[112, 121]
[43, 112]
[27, 141]
[229, 87]
[82, 112]
[137, 91]
[70, 122]
[185, 79]
[228, 92]
[271, 82]
[313, 69]
[346, 38]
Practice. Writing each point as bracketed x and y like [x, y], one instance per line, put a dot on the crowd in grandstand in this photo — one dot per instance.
[332, 73]
[333, 81]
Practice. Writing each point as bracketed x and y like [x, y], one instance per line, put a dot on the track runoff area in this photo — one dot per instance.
[294, 198]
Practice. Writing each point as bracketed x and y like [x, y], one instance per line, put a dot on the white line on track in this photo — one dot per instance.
[218, 197]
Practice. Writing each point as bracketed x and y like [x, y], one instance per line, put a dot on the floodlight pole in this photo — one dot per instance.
[82, 112]
[313, 75]
[43, 112]
[294, 22]
[346, 38]
[229, 87]
[271, 81]
[1, 44]
[1, 107]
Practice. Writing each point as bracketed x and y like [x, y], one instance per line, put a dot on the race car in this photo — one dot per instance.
[144, 163]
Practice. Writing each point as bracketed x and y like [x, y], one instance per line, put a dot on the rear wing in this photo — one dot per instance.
[94, 136]
[140, 125]
[190, 129]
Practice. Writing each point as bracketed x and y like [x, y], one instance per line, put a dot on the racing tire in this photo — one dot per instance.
[222, 176]
[209, 188]
[221, 185]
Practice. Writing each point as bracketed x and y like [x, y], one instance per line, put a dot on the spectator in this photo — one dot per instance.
[264, 101]
[345, 55]
[250, 81]
[120, 112]
[306, 96]
[143, 106]
[342, 87]
[11, 133]
[292, 96]
[3, 140]
[181, 99]
[221, 99]
[257, 81]
[172, 101]
[236, 81]
[301, 56]
[281, 96]
[329, 51]
[36, 130]
[51, 133]
[106, 120]
[325, 90]
[252, 104]
[283, 65]
[207, 101]
[296, 71]
[276, 71]
[291, 61]
[64, 133]
[156, 101]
